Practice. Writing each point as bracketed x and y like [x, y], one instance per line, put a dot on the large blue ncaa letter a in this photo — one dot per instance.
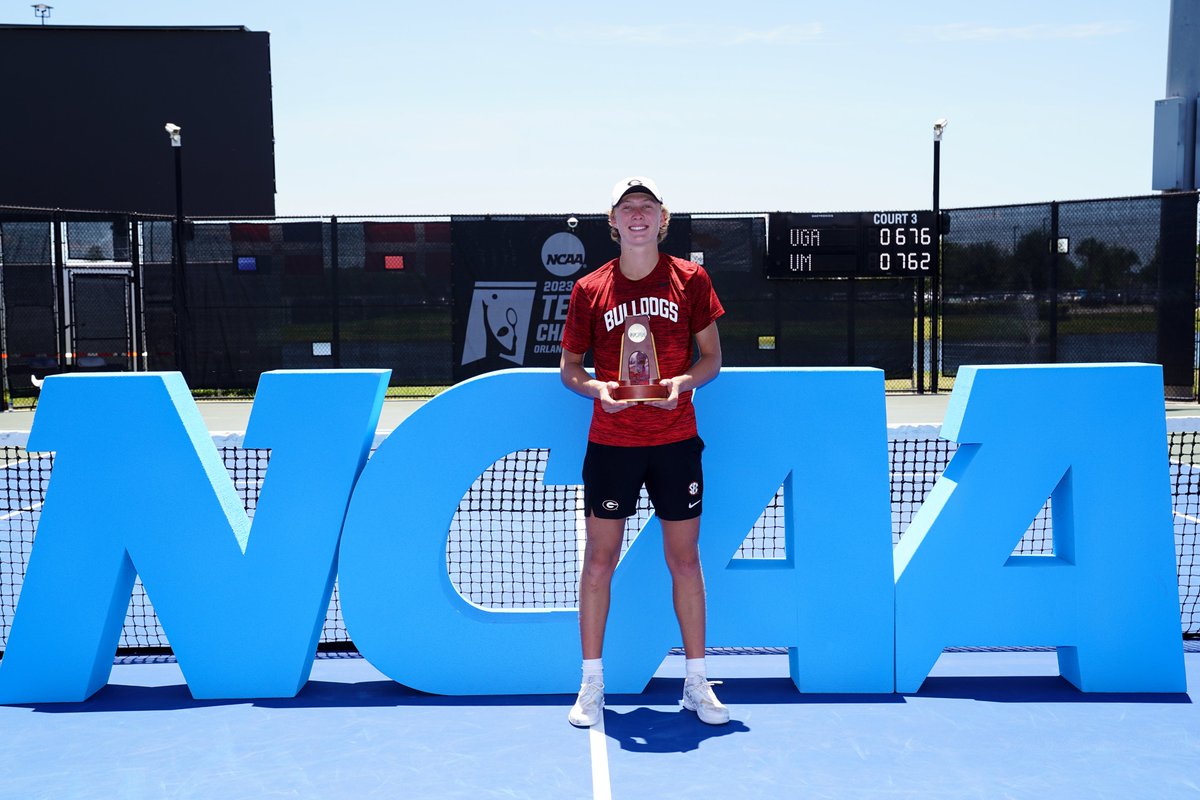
[138, 487]
[1092, 438]
[821, 435]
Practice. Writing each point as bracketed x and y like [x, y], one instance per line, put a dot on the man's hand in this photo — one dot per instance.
[669, 402]
[606, 399]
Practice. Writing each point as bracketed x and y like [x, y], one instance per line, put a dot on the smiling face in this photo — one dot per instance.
[637, 219]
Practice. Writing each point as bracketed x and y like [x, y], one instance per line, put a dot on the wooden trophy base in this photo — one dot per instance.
[641, 393]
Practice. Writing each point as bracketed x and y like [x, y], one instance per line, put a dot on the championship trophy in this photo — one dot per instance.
[639, 364]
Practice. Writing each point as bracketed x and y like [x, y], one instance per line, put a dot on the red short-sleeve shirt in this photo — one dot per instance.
[678, 297]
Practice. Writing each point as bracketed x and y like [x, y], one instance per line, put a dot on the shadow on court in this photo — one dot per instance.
[648, 730]
[389, 694]
[314, 694]
[1032, 689]
[643, 729]
[747, 691]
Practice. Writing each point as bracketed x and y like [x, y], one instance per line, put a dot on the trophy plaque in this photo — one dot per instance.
[639, 364]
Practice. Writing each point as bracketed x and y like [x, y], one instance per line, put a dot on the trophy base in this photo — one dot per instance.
[641, 393]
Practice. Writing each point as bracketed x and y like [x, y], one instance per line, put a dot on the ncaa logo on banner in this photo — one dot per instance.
[498, 326]
[563, 254]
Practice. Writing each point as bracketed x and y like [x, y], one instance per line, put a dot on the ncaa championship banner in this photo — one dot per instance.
[512, 284]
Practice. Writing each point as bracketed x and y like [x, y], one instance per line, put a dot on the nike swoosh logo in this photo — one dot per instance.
[693, 505]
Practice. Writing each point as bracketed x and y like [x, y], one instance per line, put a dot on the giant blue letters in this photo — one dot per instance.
[153, 496]
[822, 435]
[818, 433]
[1092, 439]
[399, 605]
[831, 605]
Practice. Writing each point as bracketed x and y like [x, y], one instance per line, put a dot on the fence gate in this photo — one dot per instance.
[101, 325]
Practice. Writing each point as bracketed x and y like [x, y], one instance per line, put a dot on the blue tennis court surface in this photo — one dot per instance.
[985, 725]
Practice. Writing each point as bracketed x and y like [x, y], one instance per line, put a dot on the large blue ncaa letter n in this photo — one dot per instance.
[1092, 439]
[152, 498]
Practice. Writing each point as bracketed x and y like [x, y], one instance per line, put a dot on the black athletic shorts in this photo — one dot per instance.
[613, 478]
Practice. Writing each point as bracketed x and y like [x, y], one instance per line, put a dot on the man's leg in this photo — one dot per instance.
[681, 547]
[600, 556]
[681, 544]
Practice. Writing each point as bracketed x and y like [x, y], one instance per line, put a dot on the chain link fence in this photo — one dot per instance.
[262, 295]
[1086, 281]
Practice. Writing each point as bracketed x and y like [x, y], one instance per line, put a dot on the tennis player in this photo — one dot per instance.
[651, 443]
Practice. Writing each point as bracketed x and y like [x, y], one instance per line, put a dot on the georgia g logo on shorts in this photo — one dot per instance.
[610, 505]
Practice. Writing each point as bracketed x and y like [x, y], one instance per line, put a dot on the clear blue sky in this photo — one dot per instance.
[459, 107]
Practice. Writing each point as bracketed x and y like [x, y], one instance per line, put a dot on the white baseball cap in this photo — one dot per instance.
[637, 183]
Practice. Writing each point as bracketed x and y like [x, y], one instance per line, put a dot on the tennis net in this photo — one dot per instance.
[516, 542]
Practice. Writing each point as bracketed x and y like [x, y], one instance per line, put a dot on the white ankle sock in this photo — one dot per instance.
[695, 666]
[593, 668]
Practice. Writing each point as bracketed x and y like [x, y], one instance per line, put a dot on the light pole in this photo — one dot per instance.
[41, 11]
[179, 276]
[935, 362]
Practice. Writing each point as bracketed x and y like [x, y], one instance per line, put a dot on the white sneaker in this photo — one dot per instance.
[698, 696]
[589, 706]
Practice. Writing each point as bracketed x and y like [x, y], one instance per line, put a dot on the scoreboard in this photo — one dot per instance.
[871, 244]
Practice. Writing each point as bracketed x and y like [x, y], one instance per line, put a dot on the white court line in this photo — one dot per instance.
[25, 510]
[601, 787]
[1185, 516]
[597, 740]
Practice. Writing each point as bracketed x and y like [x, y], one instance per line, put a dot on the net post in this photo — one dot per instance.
[335, 316]
[1053, 282]
[920, 334]
[60, 289]
[936, 278]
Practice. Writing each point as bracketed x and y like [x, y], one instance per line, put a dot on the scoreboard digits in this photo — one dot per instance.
[899, 242]
[870, 244]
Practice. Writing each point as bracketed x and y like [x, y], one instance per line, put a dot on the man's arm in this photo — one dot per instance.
[577, 379]
[708, 341]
